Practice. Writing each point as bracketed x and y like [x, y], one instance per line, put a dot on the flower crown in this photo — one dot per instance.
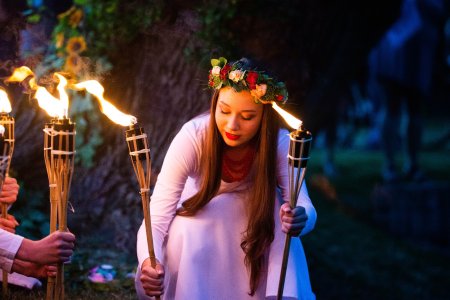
[263, 88]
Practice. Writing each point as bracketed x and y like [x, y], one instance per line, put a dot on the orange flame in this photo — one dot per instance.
[63, 97]
[290, 119]
[5, 105]
[20, 74]
[53, 106]
[95, 88]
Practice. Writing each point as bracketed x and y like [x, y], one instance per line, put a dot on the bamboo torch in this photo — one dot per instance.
[139, 152]
[62, 162]
[298, 156]
[6, 151]
[59, 157]
[48, 131]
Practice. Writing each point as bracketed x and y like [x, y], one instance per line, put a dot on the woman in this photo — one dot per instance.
[215, 207]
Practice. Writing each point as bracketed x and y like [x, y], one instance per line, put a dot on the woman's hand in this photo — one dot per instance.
[9, 191]
[292, 220]
[152, 278]
[9, 223]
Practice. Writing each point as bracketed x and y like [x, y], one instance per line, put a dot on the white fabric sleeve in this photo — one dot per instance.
[9, 245]
[180, 161]
[283, 182]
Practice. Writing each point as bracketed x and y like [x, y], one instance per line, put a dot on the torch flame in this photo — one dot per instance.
[95, 88]
[290, 119]
[20, 74]
[5, 105]
[53, 106]
[63, 97]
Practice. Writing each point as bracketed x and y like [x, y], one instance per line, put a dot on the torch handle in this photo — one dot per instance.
[5, 273]
[295, 186]
[287, 246]
[148, 229]
[51, 282]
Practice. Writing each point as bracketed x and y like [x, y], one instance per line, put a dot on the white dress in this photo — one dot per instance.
[9, 245]
[201, 255]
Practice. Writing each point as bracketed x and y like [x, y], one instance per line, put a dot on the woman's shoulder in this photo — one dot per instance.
[197, 124]
[194, 129]
[283, 136]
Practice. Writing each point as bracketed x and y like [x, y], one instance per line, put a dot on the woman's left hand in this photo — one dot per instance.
[292, 220]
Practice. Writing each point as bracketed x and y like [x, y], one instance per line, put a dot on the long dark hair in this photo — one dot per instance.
[260, 227]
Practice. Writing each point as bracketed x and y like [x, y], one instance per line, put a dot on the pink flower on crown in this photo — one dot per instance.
[259, 91]
[251, 79]
[236, 75]
[215, 71]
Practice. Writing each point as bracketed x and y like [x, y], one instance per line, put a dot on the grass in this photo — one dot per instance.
[349, 256]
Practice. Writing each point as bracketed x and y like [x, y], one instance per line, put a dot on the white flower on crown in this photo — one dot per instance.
[259, 91]
[236, 75]
[215, 71]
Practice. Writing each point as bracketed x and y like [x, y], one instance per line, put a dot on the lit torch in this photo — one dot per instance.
[298, 156]
[139, 152]
[59, 157]
[6, 151]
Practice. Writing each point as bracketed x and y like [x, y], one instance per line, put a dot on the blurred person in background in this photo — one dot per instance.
[403, 64]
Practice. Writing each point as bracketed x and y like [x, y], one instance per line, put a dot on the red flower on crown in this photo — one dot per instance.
[279, 98]
[224, 71]
[251, 79]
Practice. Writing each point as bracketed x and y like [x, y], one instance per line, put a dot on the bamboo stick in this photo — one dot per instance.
[7, 141]
[4, 273]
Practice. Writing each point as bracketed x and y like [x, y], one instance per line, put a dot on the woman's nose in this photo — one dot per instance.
[233, 123]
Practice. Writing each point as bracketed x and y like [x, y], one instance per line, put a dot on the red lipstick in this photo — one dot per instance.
[232, 137]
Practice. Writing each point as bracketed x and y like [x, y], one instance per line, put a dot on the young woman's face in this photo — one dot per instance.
[238, 117]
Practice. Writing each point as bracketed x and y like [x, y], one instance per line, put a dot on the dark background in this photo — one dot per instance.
[320, 50]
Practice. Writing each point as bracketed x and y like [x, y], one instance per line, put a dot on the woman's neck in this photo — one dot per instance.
[236, 153]
[237, 162]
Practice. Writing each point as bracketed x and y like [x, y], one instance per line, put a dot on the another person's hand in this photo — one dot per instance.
[34, 270]
[292, 220]
[9, 192]
[56, 247]
[152, 278]
[9, 223]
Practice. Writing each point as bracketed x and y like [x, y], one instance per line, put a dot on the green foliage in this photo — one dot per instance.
[82, 43]
[29, 211]
[215, 34]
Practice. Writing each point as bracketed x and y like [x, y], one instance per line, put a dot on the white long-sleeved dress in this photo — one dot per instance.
[9, 245]
[201, 255]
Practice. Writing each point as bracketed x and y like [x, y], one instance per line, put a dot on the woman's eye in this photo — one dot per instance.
[224, 112]
[247, 118]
